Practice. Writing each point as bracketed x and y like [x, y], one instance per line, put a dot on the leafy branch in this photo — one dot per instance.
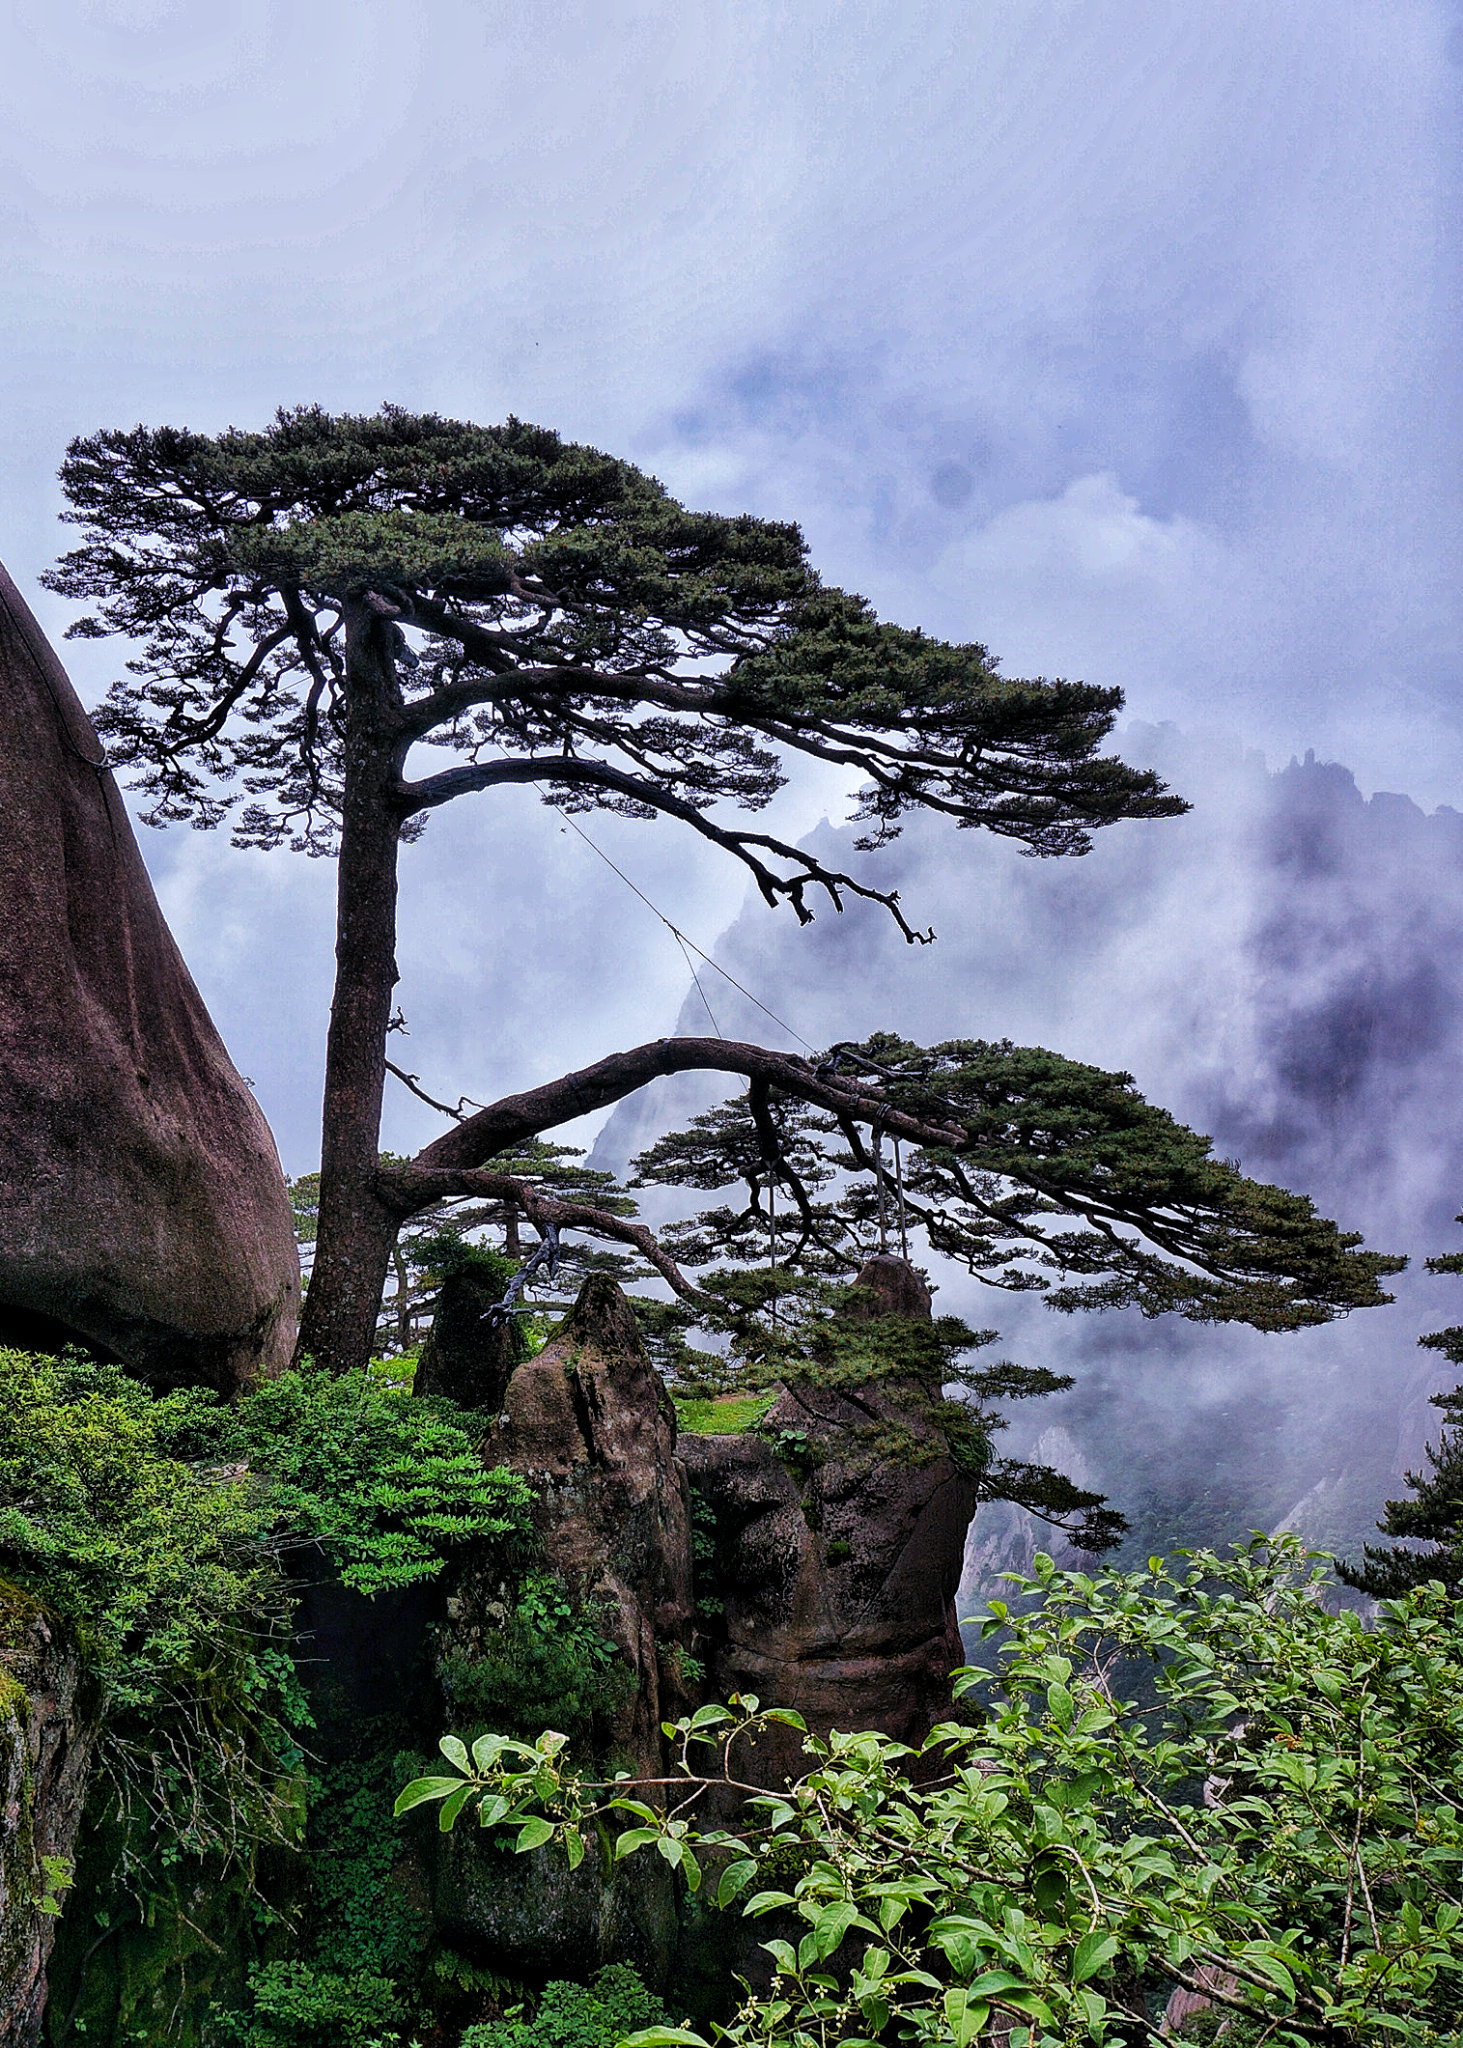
[1072, 1856]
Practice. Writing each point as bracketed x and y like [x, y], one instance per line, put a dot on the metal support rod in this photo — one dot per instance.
[899, 1189]
[878, 1136]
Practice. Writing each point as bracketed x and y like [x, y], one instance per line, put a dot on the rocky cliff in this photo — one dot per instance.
[838, 1531]
[48, 1730]
[142, 1208]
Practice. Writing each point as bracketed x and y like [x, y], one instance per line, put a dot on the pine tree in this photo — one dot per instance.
[1434, 1514]
[313, 604]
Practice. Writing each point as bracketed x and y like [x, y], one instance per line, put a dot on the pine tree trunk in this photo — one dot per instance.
[356, 1230]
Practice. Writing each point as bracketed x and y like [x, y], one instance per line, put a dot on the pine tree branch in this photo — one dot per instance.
[423, 1187]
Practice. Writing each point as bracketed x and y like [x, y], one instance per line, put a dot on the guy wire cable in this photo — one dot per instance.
[683, 941]
[688, 946]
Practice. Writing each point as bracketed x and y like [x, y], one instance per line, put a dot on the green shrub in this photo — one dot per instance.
[151, 1526]
[383, 1482]
[594, 2015]
[548, 1665]
[292, 2005]
[1276, 1827]
[150, 1523]
[164, 1576]
[362, 1920]
[159, 1571]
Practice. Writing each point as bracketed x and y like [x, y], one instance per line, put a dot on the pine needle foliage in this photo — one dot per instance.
[1036, 1173]
[1432, 1520]
[573, 615]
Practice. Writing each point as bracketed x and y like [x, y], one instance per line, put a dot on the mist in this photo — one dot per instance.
[1281, 968]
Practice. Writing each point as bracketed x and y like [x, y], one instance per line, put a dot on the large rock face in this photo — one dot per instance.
[48, 1730]
[837, 1564]
[142, 1208]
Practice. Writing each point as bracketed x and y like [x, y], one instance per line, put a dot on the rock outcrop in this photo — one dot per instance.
[839, 1536]
[142, 1208]
[589, 1424]
[48, 1730]
[467, 1355]
[837, 1529]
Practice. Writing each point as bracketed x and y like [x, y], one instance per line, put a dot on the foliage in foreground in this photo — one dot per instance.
[153, 1525]
[1282, 1832]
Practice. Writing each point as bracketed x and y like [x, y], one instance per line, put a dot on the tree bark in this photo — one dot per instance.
[357, 1228]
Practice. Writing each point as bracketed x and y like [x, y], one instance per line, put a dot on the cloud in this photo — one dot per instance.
[1058, 583]
[1283, 969]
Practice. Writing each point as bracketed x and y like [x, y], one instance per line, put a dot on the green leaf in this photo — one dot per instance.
[452, 1807]
[574, 1847]
[961, 1951]
[1092, 1953]
[766, 1902]
[735, 1879]
[1270, 1966]
[533, 1834]
[831, 1925]
[964, 2015]
[420, 1790]
[455, 1751]
[637, 1807]
[633, 1839]
[996, 1984]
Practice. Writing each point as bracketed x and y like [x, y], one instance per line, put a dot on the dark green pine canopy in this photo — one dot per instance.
[1432, 1519]
[558, 619]
[1031, 1170]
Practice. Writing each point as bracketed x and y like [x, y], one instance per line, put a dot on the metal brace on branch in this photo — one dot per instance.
[544, 1253]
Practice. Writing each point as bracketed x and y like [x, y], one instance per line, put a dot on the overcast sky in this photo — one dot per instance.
[1121, 336]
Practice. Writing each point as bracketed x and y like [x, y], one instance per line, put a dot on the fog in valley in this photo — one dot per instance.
[1282, 969]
